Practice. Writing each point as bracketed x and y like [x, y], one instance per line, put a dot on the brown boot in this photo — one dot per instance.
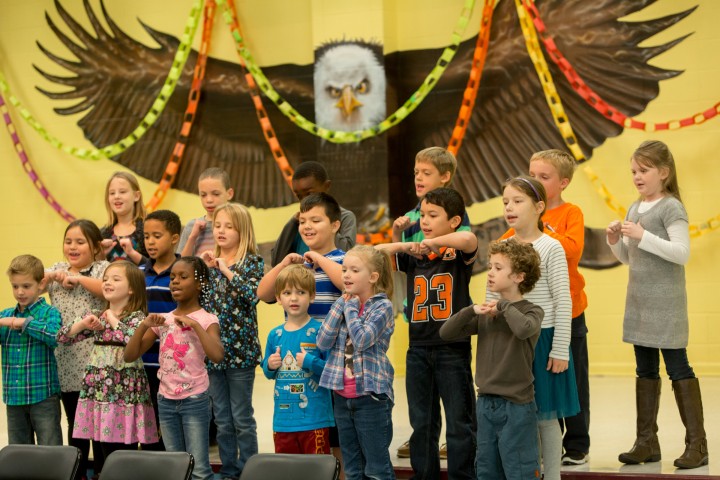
[689, 402]
[647, 403]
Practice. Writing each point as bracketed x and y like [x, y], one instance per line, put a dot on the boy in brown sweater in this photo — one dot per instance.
[507, 330]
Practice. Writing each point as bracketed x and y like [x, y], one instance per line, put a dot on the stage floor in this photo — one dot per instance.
[612, 425]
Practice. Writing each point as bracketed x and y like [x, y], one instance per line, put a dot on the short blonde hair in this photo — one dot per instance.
[27, 265]
[242, 222]
[563, 162]
[441, 158]
[296, 276]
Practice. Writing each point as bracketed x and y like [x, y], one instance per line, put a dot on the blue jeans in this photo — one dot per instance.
[185, 425]
[231, 399]
[507, 443]
[365, 429]
[41, 420]
[435, 373]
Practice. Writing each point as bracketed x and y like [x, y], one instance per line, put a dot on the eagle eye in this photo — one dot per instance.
[362, 87]
[333, 92]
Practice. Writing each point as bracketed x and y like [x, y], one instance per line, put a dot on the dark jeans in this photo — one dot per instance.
[577, 427]
[435, 373]
[365, 429]
[38, 421]
[647, 361]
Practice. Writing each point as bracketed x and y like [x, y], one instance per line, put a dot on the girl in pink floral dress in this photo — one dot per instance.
[114, 407]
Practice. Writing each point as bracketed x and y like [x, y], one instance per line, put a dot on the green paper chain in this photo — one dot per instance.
[152, 115]
[336, 136]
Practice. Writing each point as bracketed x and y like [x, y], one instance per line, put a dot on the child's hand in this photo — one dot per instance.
[185, 322]
[428, 246]
[486, 308]
[414, 249]
[70, 281]
[613, 232]
[220, 263]
[402, 223]
[126, 245]
[13, 323]
[107, 245]
[274, 360]
[198, 227]
[58, 276]
[208, 256]
[92, 322]
[111, 318]
[154, 320]
[632, 230]
[312, 259]
[292, 259]
[300, 357]
[556, 366]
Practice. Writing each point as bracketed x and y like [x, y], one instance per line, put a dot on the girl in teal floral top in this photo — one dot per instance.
[235, 271]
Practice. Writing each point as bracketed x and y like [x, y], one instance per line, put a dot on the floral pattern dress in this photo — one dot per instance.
[114, 404]
[235, 304]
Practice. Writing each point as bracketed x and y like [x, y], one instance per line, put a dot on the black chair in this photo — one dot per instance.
[39, 462]
[147, 465]
[281, 466]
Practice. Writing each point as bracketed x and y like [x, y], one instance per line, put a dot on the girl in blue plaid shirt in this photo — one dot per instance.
[357, 333]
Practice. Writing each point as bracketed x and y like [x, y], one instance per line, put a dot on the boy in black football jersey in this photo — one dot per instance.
[439, 269]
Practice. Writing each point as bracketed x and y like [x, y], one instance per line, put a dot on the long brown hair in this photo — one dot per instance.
[656, 154]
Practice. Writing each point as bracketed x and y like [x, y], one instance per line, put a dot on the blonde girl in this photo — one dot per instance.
[75, 288]
[654, 242]
[524, 201]
[357, 334]
[114, 408]
[235, 271]
[126, 213]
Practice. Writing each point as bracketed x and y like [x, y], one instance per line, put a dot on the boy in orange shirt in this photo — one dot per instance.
[564, 222]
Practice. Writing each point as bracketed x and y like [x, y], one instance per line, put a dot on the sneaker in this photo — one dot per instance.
[443, 451]
[403, 450]
[574, 458]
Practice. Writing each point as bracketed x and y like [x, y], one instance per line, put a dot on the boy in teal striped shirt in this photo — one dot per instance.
[31, 388]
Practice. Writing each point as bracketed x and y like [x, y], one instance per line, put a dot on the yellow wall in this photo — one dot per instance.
[30, 226]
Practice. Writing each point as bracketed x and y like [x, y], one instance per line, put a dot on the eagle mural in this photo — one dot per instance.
[351, 85]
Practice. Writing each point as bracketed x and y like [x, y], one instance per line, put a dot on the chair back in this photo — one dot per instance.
[281, 466]
[39, 462]
[147, 465]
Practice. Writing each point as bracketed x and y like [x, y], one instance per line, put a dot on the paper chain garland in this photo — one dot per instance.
[173, 165]
[27, 165]
[531, 24]
[153, 114]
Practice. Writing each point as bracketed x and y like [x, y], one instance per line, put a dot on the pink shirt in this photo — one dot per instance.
[182, 358]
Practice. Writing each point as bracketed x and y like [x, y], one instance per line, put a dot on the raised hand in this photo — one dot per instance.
[300, 357]
[154, 320]
[274, 360]
[632, 230]
[613, 232]
[107, 245]
[402, 223]
[208, 256]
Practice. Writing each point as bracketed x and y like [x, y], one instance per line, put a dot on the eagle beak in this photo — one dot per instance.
[347, 102]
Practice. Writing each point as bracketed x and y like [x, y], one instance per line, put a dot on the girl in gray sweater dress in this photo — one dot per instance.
[654, 242]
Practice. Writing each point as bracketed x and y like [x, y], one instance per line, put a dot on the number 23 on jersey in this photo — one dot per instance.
[433, 298]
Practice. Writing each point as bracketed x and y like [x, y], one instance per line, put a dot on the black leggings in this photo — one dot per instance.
[647, 360]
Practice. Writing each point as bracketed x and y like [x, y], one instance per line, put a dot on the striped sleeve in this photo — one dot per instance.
[558, 282]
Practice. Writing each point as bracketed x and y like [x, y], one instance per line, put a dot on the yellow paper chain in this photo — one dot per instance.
[337, 136]
[551, 95]
[153, 114]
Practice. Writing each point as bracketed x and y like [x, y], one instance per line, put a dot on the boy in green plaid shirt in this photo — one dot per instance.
[31, 388]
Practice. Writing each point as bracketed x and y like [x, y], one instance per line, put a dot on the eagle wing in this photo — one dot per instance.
[116, 79]
[511, 119]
